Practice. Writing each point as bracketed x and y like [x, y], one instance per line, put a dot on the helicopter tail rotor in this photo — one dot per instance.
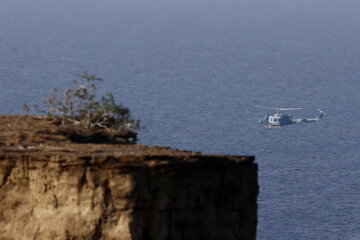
[322, 113]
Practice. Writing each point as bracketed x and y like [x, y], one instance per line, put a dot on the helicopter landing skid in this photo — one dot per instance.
[271, 126]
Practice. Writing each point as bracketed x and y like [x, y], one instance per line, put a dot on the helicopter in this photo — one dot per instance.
[282, 119]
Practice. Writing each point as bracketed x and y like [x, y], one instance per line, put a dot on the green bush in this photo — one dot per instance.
[80, 106]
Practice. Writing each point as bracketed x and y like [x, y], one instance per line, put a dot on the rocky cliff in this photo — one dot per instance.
[55, 183]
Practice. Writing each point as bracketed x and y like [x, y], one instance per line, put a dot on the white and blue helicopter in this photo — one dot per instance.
[281, 119]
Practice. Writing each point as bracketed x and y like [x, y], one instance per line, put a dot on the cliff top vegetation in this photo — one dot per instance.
[80, 106]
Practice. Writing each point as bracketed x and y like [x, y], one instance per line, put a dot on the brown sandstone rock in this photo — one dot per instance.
[54, 188]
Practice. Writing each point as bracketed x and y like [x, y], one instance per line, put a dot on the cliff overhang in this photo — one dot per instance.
[53, 186]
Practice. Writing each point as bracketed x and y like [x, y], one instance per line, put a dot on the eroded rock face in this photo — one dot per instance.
[56, 189]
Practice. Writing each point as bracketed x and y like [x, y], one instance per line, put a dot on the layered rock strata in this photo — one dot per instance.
[53, 188]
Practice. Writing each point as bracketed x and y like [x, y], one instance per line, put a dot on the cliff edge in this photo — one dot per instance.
[71, 184]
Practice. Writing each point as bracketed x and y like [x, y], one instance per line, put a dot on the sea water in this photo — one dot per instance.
[193, 72]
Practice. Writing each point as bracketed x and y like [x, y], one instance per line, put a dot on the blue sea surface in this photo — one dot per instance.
[193, 72]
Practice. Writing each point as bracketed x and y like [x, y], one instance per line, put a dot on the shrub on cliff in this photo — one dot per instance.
[81, 106]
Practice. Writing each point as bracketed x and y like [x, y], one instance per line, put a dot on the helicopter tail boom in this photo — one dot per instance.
[316, 119]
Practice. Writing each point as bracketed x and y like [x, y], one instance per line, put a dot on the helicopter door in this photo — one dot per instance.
[272, 120]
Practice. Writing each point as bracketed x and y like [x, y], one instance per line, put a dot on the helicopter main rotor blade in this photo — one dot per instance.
[280, 109]
[265, 107]
[288, 109]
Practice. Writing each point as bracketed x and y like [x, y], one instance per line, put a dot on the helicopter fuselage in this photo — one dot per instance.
[277, 120]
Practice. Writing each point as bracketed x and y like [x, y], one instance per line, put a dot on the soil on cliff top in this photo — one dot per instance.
[31, 134]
